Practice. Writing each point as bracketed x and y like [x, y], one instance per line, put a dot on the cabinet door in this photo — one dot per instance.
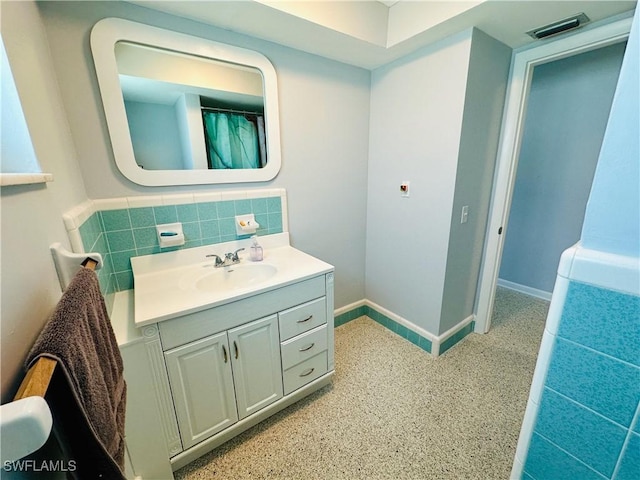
[257, 371]
[202, 385]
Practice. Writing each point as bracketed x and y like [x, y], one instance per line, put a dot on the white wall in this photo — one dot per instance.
[324, 132]
[567, 113]
[416, 117]
[484, 102]
[32, 215]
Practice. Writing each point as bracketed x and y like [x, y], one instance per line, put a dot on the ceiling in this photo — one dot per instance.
[371, 33]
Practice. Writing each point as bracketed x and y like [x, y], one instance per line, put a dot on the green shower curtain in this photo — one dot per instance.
[232, 140]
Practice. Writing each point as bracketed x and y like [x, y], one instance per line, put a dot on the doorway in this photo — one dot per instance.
[511, 143]
[567, 112]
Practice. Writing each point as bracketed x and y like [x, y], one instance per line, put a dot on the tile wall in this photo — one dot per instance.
[588, 424]
[119, 229]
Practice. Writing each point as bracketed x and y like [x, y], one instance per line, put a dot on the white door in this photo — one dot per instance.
[257, 370]
[202, 385]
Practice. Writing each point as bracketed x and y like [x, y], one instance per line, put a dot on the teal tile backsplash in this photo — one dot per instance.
[119, 234]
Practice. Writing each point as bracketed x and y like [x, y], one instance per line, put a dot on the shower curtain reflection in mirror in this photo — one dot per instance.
[234, 140]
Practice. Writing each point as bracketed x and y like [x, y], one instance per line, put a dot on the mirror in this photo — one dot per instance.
[183, 110]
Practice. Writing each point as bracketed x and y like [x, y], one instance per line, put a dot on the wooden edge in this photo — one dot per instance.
[38, 377]
[37, 380]
[90, 263]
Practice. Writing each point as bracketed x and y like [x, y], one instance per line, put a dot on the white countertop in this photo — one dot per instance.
[164, 282]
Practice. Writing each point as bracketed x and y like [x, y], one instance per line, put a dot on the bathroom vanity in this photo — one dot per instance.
[210, 352]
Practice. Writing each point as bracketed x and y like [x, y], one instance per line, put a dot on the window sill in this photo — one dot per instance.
[8, 179]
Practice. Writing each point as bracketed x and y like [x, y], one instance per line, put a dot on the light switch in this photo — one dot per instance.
[464, 216]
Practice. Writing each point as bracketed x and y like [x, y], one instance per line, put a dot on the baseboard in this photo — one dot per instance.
[434, 344]
[534, 292]
[452, 336]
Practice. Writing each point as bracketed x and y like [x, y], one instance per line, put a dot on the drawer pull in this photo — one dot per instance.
[235, 347]
[307, 372]
[224, 353]
[309, 347]
[306, 319]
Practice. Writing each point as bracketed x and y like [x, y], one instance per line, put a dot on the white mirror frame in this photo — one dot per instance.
[107, 32]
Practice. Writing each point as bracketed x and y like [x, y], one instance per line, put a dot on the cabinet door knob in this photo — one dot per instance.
[224, 353]
[306, 319]
[235, 348]
[308, 347]
[308, 372]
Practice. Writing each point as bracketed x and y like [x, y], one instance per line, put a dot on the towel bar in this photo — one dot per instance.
[67, 262]
[27, 421]
[37, 381]
[39, 376]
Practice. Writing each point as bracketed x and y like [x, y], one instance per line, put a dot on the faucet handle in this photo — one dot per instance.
[219, 261]
[234, 255]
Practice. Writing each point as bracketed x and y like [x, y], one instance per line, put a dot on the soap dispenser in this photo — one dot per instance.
[255, 250]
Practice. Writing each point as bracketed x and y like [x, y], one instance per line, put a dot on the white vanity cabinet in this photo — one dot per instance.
[255, 358]
[209, 353]
[202, 385]
[303, 331]
[223, 378]
[231, 366]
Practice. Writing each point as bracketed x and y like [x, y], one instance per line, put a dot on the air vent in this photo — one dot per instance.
[561, 26]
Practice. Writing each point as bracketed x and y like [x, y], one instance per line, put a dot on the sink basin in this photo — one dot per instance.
[180, 282]
[235, 276]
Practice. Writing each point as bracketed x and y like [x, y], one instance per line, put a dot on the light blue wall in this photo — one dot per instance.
[155, 135]
[588, 424]
[489, 63]
[612, 220]
[417, 107]
[569, 104]
[48, 46]
[324, 132]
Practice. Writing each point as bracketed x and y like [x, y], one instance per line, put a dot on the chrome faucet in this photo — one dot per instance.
[219, 261]
[229, 259]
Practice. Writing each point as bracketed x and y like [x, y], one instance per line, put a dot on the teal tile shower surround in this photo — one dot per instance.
[127, 232]
[588, 420]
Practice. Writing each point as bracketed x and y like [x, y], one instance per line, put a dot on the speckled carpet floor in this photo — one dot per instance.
[394, 412]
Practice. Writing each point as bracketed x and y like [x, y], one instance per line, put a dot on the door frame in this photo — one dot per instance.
[522, 64]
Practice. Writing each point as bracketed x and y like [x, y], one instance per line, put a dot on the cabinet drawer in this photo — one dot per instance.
[302, 318]
[304, 346]
[303, 373]
[186, 329]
